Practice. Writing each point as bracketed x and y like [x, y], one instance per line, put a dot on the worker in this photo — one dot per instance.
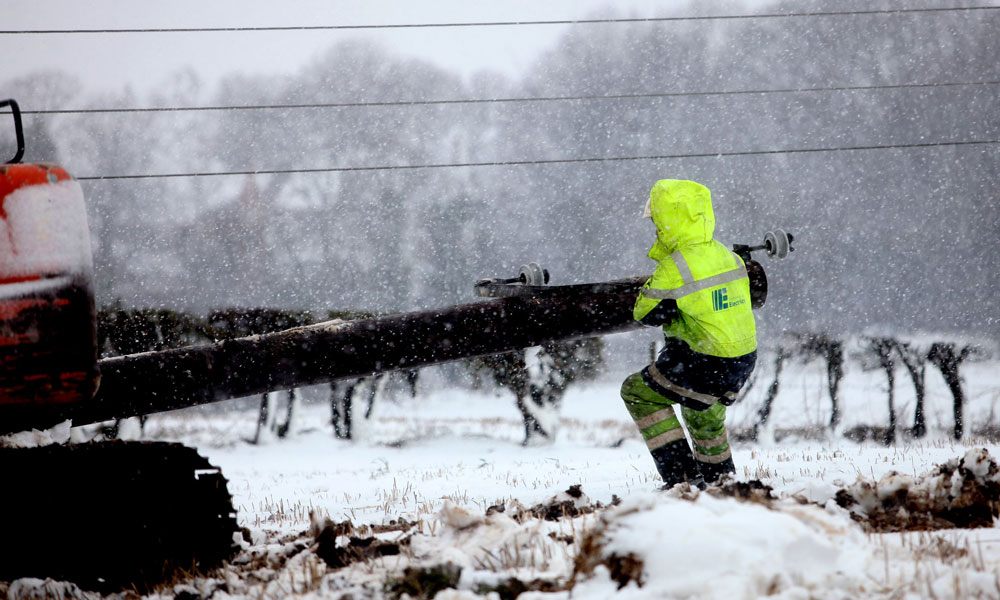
[700, 294]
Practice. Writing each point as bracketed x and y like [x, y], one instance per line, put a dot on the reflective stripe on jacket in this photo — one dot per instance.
[707, 280]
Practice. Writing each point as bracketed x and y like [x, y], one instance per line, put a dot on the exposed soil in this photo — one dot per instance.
[357, 549]
[512, 587]
[399, 524]
[962, 493]
[591, 554]
[749, 491]
[570, 504]
[422, 583]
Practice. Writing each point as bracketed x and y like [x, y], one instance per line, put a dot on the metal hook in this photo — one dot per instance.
[18, 130]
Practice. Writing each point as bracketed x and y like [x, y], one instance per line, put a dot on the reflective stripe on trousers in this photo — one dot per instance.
[657, 420]
[712, 451]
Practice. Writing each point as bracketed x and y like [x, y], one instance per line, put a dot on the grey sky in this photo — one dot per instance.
[142, 61]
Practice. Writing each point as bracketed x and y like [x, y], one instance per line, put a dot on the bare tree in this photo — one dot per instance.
[914, 359]
[539, 377]
[267, 416]
[831, 350]
[882, 348]
[764, 413]
[947, 358]
[348, 396]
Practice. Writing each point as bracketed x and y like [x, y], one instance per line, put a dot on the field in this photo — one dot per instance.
[436, 497]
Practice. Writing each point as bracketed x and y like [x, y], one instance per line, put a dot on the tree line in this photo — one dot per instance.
[884, 236]
[879, 352]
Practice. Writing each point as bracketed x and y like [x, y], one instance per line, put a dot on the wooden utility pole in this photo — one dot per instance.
[150, 382]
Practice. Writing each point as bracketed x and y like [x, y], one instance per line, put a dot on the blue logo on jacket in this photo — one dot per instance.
[720, 299]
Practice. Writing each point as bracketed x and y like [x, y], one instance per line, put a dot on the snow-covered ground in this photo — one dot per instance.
[424, 473]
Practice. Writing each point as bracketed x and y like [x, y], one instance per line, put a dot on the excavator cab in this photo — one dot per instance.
[48, 333]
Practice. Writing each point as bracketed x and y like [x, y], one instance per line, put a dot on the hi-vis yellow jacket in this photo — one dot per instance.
[708, 282]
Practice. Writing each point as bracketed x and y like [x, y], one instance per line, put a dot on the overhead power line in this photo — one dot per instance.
[900, 11]
[322, 105]
[513, 163]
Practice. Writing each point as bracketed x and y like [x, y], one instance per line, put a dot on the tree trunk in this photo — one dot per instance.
[947, 360]
[914, 362]
[772, 392]
[534, 408]
[341, 394]
[883, 350]
[834, 373]
[378, 383]
[285, 429]
[412, 377]
[264, 417]
[890, 434]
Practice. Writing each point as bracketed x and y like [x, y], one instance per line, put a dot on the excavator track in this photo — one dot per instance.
[112, 515]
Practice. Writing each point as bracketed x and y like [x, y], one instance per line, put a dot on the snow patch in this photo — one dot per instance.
[487, 544]
[718, 548]
[30, 588]
[59, 434]
[45, 231]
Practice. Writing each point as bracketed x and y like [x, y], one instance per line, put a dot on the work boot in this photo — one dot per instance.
[712, 472]
[675, 463]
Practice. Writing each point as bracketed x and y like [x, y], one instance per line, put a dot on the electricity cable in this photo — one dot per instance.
[638, 96]
[898, 11]
[555, 161]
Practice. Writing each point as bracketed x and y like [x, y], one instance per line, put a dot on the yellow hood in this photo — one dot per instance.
[683, 215]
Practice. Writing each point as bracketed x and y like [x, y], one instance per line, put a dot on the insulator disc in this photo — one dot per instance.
[532, 274]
